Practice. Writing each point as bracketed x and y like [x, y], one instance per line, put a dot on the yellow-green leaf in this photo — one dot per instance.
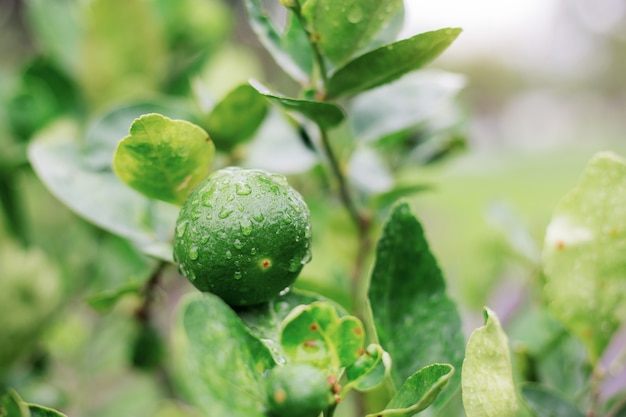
[487, 376]
[163, 158]
[583, 255]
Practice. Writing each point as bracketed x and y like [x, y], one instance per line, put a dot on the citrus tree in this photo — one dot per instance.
[276, 225]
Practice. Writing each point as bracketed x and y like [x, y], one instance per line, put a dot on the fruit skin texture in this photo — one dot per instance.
[297, 390]
[243, 235]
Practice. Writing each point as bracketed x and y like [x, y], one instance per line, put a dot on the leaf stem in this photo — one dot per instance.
[144, 317]
[322, 70]
[596, 380]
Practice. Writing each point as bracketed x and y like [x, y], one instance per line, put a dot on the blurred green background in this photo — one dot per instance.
[543, 91]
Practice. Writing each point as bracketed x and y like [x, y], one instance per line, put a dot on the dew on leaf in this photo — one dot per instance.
[355, 15]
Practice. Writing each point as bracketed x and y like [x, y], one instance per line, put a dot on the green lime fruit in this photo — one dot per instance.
[243, 235]
[297, 390]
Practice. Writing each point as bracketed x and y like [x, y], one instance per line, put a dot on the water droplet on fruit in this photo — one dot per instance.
[242, 188]
[180, 228]
[355, 15]
[279, 179]
[193, 253]
[237, 243]
[259, 217]
[207, 199]
[294, 265]
[237, 275]
[285, 291]
[225, 212]
[229, 255]
[230, 197]
[307, 257]
[253, 251]
[246, 227]
[191, 275]
[204, 239]
[307, 232]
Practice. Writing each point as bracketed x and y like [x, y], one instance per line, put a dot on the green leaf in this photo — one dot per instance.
[236, 117]
[299, 68]
[369, 370]
[416, 322]
[56, 157]
[220, 363]
[419, 391]
[314, 334]
[547, 403]
[163, 158]
[390, 62]
[41, 411]
[324, 114]
[11, 405]
[417, 97]
[343, 27]
[583, 256]
[265, 320]
[487, 381]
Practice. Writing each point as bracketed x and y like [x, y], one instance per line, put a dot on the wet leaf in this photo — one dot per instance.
[324, 114]
[418, 392]
[219, 362]
[343, 27]
[369, 370]
[236, 117]
[416, 321]
[163, 158]
[315, 334]
[298, 67]
[388, 63]
[583, 255]
[487, 380]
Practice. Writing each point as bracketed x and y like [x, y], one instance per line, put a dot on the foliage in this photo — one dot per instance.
[121, 117]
